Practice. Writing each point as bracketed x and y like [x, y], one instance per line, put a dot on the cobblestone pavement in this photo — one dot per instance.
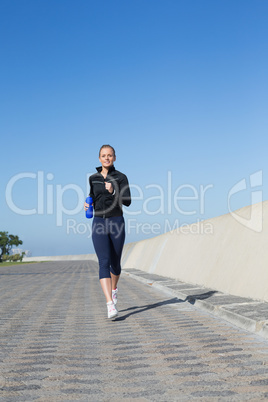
[57, 344]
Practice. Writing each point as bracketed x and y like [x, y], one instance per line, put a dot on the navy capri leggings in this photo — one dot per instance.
[108, 236]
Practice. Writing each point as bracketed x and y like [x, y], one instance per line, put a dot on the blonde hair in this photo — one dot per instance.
[107, 146]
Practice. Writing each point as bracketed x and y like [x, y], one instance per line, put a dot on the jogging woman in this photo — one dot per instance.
[109, 190]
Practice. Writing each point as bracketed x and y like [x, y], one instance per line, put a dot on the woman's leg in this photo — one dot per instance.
[117, 237]
[106, 285]
[101, 242]
[115, 279]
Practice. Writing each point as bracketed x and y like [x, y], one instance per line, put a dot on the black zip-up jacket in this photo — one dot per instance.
[107, 205]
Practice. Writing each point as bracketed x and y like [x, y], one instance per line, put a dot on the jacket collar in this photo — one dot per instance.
[111, 169]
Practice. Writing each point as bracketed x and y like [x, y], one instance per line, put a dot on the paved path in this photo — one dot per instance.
[57, 344]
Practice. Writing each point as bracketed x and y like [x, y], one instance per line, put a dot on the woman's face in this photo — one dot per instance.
[107, 157]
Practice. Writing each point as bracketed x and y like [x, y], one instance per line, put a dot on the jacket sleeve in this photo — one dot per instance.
[125, 196]
[91, 194]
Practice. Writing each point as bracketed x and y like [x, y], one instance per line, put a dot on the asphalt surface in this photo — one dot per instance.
[58, 345]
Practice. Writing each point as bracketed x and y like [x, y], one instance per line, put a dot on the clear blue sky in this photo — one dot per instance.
[179, 88]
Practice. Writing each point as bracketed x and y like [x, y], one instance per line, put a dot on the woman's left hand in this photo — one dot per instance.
[109, 187]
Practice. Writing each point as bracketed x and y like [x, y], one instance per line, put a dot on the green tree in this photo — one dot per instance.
[16, 257]
[21, 256]
[7, 242]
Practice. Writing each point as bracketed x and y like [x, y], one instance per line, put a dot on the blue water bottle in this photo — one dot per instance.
[89, 211]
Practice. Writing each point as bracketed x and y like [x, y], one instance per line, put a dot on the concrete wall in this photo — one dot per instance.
[221, 253]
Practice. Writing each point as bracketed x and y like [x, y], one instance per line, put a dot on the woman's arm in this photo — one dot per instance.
[125, 196]
[86, 206]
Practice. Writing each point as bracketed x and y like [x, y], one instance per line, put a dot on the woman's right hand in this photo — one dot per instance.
[86, 206]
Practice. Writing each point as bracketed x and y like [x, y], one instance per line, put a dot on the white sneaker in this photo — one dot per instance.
[114, 294]
[112, 310]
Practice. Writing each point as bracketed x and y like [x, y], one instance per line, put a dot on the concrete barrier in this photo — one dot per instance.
[225, 253]
[228, 253]
[77, 257]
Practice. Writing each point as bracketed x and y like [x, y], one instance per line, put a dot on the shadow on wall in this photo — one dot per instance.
[192, 298]
[140, 309]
